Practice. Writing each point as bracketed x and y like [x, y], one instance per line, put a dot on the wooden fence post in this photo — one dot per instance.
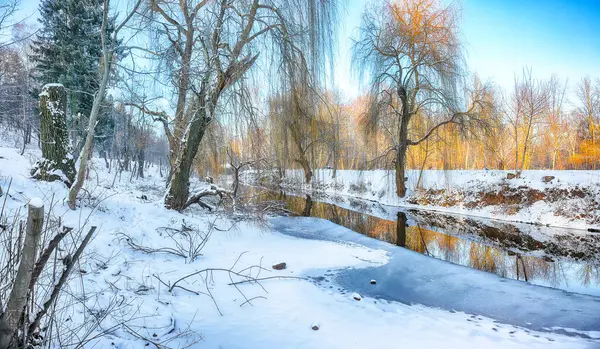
[18, 295]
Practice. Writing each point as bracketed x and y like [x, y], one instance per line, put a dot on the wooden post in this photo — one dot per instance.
[18, 296]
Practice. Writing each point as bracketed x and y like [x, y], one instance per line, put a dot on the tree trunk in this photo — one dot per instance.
[18, 297]
[179, 184]
[236, 180]
[57, 161]
[403, 144]
[306, 168]
[141, 158]
[400, 173]
[98, 98]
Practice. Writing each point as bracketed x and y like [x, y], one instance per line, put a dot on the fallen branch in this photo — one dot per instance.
[150, 250]
[266, 278]
[212, 191]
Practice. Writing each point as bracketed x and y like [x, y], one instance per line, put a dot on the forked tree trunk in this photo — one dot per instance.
[57, 161]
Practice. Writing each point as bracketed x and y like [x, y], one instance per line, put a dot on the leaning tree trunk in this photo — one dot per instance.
[303, 161]
[57, 161]
[179, 185]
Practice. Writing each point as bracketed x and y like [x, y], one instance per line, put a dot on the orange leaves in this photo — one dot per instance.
[426, 28]
[588, 156]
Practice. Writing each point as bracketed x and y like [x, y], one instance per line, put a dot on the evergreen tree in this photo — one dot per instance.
[67, 50]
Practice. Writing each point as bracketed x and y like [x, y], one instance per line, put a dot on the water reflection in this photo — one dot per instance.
[478, 246]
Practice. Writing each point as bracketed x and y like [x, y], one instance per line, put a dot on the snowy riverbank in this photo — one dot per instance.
[207, 312]
[554, 198]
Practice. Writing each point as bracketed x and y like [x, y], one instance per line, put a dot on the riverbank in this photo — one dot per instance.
[128, 287]
[553, 198]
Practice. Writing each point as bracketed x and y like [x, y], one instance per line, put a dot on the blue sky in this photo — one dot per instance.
[501, 37]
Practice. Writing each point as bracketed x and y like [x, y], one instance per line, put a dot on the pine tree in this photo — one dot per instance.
[67, 50]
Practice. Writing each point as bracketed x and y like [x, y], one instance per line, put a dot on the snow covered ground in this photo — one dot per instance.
[570, 199]
[126, 289]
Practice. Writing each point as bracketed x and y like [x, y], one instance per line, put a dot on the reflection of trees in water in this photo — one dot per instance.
[448, 247]
[308, 204]
[417, 239]
[487, 258]
[589, 274]
[401, 229]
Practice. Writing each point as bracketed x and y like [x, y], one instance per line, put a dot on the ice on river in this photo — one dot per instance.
[413, 278]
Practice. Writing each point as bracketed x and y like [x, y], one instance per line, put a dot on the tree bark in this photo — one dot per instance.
[179, 185]
[400, 171]
[305, 167]
[403, 143]
[141, 159]
[98, 98]
[57, 161]
[18, 297]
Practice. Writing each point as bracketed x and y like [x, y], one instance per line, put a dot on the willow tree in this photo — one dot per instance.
[293, 119]
[411, 51]
[305, 128]
[211, 46]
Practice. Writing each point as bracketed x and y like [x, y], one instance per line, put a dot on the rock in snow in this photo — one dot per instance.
[547, 179]
[280, 266]
[373, 282]
[356, 296]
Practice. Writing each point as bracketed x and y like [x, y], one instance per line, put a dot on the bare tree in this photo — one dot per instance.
[556, 120]
[410, 50]
[108, 52]
[212, 45]
[237, 164]
[8, 8]
[529, 102]
[589, 111]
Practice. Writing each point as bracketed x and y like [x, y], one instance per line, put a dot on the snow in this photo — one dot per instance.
[281, 315]
[412, 278]
[380, 186]
[36, 202]
[51, 85]
[45, 88]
